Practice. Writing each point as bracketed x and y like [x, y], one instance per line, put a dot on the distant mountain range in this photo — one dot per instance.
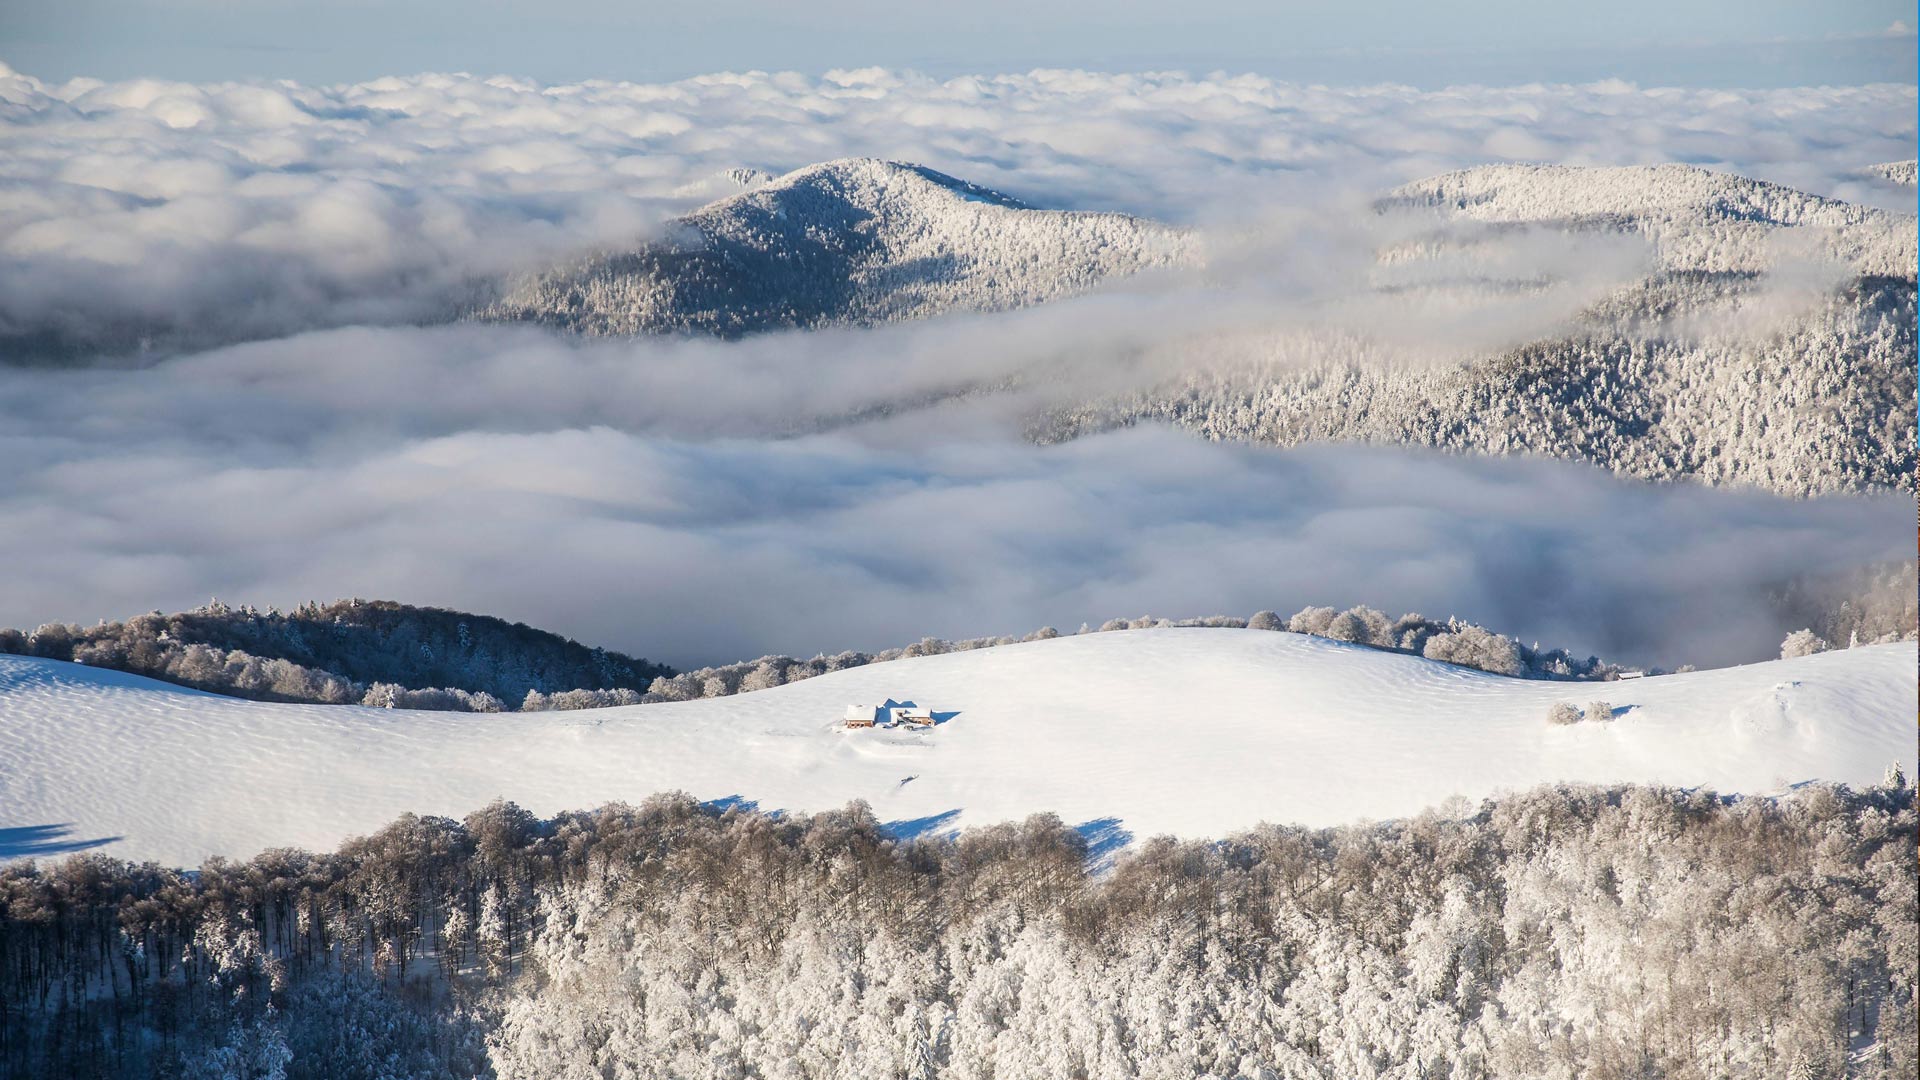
[1700, 369]
[853, 242]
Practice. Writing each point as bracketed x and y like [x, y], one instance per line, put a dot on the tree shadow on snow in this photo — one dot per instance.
[743, 804]
[923, 827]
[25, 841]
[1105, 840]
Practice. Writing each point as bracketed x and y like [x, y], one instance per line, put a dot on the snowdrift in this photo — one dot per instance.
[1194, 732]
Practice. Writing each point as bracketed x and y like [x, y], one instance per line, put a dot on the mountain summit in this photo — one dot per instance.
[851, 242]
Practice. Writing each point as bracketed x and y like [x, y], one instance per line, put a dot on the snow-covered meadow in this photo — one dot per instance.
[1192, 732]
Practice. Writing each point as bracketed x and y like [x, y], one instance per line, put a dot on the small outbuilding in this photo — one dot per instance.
[862, 716]
[913, 716]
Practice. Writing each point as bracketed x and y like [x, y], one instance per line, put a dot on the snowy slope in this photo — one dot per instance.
[857, 241]
[1696, 219]
[1188, 731]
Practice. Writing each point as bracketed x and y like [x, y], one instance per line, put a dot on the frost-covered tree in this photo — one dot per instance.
[1311, 620]
[1346, 626]
[1566, 931]
[1802, 643]
[1473, 646]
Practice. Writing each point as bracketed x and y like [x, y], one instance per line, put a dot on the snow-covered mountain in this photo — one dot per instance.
[1703, 368]
[1696, 219]
[857, 241]
[1707, 368]
[1196, 732]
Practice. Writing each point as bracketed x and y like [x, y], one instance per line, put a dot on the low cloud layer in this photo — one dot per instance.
[201, 214]
[578, 487]
[701, 501]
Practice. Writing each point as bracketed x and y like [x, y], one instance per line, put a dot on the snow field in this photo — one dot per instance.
[1193, 732]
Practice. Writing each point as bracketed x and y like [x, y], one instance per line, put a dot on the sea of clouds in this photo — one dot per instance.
[171, 214]
[695, 502]
[286, 436]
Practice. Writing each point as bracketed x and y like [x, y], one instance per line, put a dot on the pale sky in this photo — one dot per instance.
[1756, 43]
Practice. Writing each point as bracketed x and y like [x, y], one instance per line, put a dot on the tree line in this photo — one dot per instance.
[1567, 931]
[1451, 641]
[384, 654]
[367, 652]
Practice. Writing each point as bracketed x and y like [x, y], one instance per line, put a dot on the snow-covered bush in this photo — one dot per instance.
[1311, 620]
[535, 701]
[1346, 626]
[1802, 643]
[446, 699]
[1563, 712]
[1599, 711]
[1476, 647]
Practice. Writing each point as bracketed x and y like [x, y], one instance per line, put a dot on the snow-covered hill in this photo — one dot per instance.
[857, 241]
[1189, 731]
[1703, 369]
[1696, 219]
[1706, 368]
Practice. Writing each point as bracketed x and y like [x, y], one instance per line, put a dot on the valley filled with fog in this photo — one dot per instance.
[183, 424]
[1532, 468]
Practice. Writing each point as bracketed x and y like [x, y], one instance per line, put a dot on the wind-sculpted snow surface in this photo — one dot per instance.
[1196, 732]
[846, 242]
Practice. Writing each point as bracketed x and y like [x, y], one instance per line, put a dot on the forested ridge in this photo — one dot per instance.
[852, 242]
[1566, 931]
[1647, 385]
[372, 652]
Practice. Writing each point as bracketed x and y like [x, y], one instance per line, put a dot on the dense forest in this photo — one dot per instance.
[1567, 931]
[372, 652]
[1664, 381]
